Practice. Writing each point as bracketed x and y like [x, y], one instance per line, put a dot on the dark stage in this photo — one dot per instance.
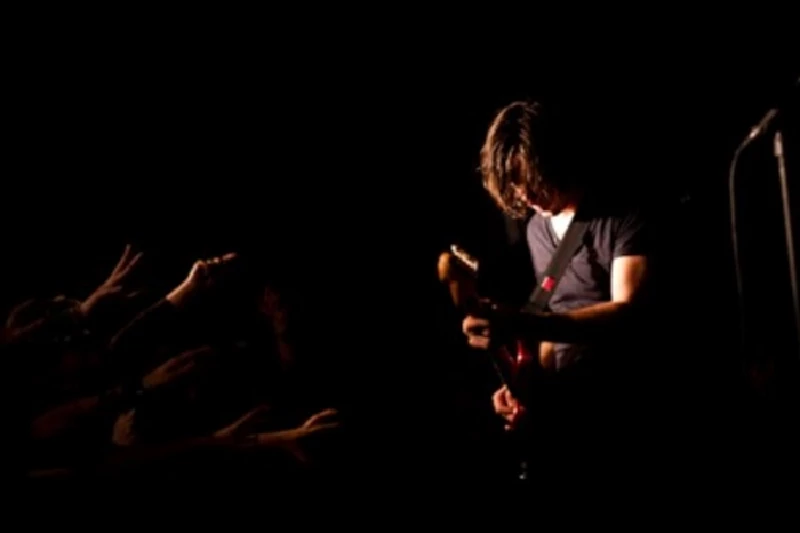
[344, 179]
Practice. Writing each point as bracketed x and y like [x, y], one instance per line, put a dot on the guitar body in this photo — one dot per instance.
[525, 366]
[516, 360]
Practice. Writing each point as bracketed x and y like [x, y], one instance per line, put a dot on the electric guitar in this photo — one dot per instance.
[514, 360]
[516, 364]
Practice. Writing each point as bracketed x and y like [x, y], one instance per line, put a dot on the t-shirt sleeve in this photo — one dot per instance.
[633, 235]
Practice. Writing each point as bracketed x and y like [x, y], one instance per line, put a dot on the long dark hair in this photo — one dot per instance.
[525, 148]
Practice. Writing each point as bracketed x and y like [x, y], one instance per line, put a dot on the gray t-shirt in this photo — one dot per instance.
[587, 279]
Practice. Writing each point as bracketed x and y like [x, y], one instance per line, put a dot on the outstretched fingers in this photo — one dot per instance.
[322, 418]
[126, 262]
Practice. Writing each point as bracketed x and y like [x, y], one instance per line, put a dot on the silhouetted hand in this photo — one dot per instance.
[204, 276]
[175, 369]
[116, 287]
[123, 432]
[245, 424]
[307, 441]
[325, 419]
[495, 325]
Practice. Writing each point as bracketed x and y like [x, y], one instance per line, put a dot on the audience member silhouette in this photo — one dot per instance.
[191, 385]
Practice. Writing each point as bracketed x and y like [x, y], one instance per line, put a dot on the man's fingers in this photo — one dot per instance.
[125, 269]
[126, 262]
[507, 406]
[252, 414]
[479, 342]
[220, 259]
[325, 413]
[505, 410]
[321, 417]
[199, 270]
[516, 415]
[508, 398]
[237, 424]
[473, 323]
[330, 426]
[186, 366]
[123, 258]
[193, 354]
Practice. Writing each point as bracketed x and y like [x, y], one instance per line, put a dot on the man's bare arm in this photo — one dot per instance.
[600, 321]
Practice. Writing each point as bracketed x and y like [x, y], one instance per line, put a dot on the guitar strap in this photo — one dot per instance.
[558, 265]
[546, 287]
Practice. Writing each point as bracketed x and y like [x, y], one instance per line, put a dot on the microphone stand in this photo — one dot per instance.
[755, 132]
[737, 260]
[787, 225]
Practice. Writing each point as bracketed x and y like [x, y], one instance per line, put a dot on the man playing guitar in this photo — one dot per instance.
[595, 313]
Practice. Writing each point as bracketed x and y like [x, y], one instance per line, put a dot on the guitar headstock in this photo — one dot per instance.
[466, 259]
[459, 270]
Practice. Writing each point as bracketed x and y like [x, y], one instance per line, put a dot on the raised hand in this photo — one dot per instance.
[478, 331]
[123, 432]
[175, 369]
[203, 276]
[494, 325]
[246, 423]
[308, 441]
[116, 287]
[325, 419]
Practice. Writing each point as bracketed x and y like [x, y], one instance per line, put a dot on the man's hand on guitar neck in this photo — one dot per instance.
[477, 330]
[496, 326]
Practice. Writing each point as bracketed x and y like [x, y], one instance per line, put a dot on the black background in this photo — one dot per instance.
[350, 160]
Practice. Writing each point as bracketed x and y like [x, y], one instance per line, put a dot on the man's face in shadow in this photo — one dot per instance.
[550, 203]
